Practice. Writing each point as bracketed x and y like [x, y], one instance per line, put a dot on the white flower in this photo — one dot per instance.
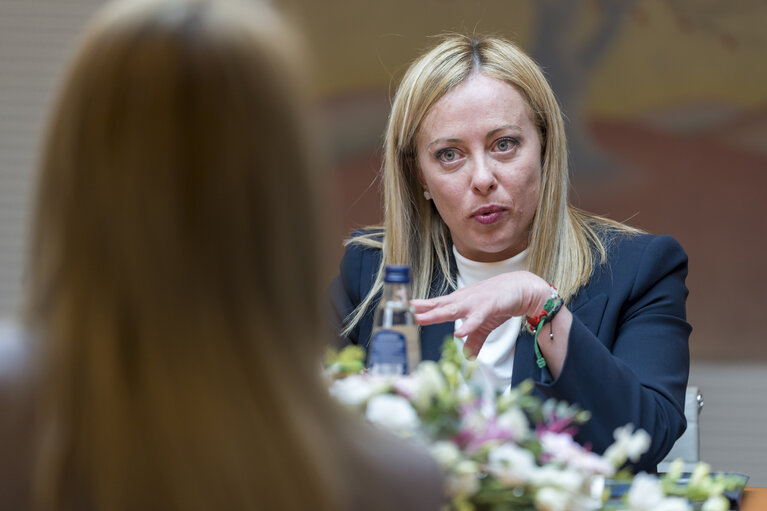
[510, 464]
[355, 390]
[516, 422]
[463, 480]
[551, 499]
[638, 444]
[646, 494]
[564, 479]
[446, 453]
[429, 384]
[460, 475]
[716, 503]
[627, 445]
[405, 386]
[393, 413]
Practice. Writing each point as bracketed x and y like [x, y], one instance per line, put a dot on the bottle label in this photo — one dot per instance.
[388, 353]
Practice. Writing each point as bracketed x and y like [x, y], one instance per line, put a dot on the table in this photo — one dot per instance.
[753, 499]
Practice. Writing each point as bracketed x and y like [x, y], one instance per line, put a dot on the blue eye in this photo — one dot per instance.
[447, 155]
[505, 144]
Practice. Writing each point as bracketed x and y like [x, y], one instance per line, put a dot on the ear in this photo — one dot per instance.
[416, 169]
[419, 176]
[422, 182]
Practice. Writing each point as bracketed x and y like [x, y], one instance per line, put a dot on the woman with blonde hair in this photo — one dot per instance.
[475, 183]
[175, 295]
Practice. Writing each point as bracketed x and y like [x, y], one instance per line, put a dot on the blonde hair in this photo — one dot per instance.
[564, 242]
[175, 296]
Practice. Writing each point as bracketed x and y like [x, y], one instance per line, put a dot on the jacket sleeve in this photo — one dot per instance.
[634, 369]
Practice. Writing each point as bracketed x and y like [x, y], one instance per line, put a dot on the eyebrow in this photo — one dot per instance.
[438, 140]
[504, 127]
[489, 134]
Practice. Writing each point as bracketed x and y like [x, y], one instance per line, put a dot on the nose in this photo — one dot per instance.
[483, 180]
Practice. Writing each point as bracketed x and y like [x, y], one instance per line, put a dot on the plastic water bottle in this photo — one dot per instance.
[395, 347]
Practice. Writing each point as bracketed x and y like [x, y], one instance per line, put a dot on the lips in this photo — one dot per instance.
[488, 214]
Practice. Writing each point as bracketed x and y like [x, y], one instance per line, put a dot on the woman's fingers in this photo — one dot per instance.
[436, 313]
[473, 344]
[469, 325]
[420, 306]
[476, 301]
[476, 328]
[485, 305]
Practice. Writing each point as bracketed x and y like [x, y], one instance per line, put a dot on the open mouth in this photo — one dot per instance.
[488, 214]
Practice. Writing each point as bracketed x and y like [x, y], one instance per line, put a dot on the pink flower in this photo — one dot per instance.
[479, 430]
[561, 447]
[557, 426]
[491, 433]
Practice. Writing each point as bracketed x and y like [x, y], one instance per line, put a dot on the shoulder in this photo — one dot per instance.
[636, 263]
[628, 250]
[16, 414]
[361, 261]
[618, 243]
[364, 243]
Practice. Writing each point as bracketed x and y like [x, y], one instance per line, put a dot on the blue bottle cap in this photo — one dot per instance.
[397, 273]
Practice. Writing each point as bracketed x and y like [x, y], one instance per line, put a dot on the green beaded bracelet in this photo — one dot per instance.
[534, 324]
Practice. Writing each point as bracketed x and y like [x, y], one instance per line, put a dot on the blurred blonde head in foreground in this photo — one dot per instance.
[174, 278]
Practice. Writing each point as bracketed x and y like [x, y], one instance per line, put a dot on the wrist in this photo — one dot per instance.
[545, 314]
[534, 324]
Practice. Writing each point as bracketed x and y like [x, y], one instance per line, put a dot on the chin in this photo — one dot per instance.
[505, 252]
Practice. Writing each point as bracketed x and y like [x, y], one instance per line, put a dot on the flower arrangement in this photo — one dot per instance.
[511, 451]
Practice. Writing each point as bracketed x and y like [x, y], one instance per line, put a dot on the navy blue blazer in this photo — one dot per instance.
[628, 353]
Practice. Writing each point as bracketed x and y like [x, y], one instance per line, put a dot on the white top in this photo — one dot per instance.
[496, 357]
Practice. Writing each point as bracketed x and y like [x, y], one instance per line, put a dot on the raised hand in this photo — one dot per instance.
[485, 305]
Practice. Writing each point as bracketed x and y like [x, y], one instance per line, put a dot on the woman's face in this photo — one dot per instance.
[479, 156]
